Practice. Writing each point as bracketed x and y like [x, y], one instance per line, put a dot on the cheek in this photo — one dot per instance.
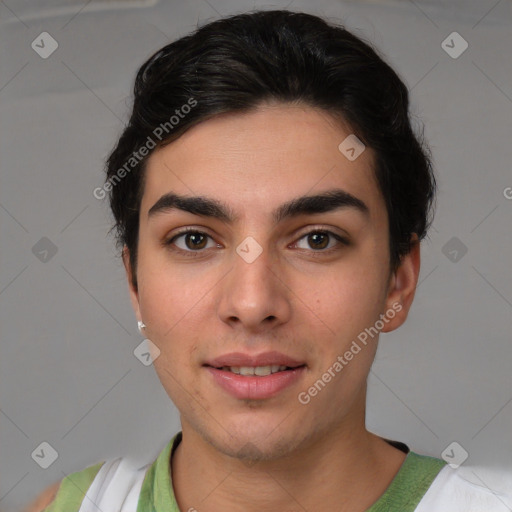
[170, 295]
[171, 307]
[347, 304]
[177, 304]
[346, 300]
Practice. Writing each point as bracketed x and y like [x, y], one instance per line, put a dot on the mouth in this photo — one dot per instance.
[256, 371]
[256, 387]
[261, 364]
[258, 377]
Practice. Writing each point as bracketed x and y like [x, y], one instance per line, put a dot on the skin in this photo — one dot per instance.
[44, 499]
[274, 454]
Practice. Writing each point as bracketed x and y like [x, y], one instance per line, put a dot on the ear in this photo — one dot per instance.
[402, 287]
[134, 294]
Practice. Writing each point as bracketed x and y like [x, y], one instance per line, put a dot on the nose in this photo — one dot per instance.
[255, 297]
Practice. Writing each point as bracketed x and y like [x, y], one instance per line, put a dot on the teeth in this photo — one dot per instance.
[259, 371]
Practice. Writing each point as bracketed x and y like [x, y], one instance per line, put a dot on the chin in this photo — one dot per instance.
[253, 450]
[254, 439]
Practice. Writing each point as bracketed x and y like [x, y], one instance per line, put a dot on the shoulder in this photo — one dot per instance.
[107, 485]
[44, 499]
[66, 491]
[113, 484]
[67, 494]
[469, 489]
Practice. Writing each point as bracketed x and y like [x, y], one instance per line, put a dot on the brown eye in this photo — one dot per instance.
[318, 240]
[195, 240]
[189, 241]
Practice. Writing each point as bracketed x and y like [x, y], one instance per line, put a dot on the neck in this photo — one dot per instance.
[346, 470]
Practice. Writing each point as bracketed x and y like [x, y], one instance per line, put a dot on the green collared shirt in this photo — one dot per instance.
[406, 490]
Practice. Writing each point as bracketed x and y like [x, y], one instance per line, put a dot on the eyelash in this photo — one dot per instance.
[194, 254]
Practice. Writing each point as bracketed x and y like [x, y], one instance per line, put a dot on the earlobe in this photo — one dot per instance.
[402, 287]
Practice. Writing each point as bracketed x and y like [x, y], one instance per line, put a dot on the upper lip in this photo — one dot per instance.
[238, 359]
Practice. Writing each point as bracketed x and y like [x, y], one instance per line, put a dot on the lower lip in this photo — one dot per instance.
[255, 388]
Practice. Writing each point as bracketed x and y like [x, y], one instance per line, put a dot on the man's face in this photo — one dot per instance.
[306, 297]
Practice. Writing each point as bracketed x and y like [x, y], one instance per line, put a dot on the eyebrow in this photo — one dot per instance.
[304, 205]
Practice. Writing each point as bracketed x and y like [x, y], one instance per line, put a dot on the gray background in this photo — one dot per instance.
[69, 375]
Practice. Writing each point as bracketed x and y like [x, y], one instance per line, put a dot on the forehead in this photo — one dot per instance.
[261, 159]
